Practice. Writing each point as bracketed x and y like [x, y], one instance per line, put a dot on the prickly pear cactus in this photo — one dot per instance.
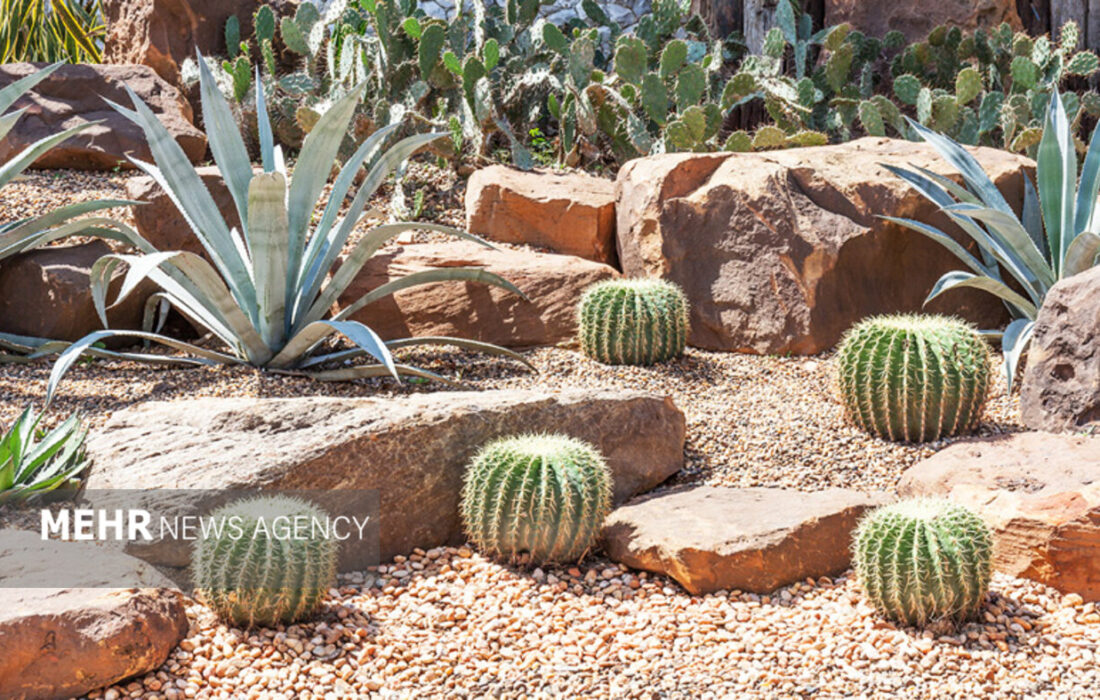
[923, 560]
[913, 377]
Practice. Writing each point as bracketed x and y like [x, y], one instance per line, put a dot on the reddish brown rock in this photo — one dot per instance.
[73, 95]
[781, 252]
[161, 34]
[46, 293]
[1040, 492]
[751, 539]
[916, 20]
[568, 213]
[553, 283]
[64, 642]
[1061, 387]
[413, 450]
[160, 222]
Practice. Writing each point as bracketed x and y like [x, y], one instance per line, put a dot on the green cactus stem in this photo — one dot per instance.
[923, 560]
[913, 378]
[545, 496]
[633, 321]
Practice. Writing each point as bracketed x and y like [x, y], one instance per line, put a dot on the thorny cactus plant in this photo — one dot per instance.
[912, 377]
[991, 87]
[541, 495]
[251, 577]
[633, 321]
[923, 560]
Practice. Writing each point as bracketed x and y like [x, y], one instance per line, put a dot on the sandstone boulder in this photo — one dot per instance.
[161, 34]
[412, 450]
[783, 251]
[161, 223]
[552, 283]
[1061, 387]
[46, 293]
[749, 539]
[915, 21]
[64, 642]
[568, 213]
[73, 95]
[1040, 492]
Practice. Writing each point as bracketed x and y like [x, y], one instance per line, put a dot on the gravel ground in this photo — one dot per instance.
[447, 623]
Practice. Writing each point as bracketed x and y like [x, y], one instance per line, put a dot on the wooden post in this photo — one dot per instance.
[1062, 11]
[758, 19]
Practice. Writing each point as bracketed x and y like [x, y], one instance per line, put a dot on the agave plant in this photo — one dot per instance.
[26, 234]
[266, 292]
[34, 461]
[51, 30]
[1053, 238]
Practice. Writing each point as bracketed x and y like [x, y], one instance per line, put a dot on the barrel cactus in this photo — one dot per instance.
[544, 495]
[913, 378]
[633, 321]
[253, 577]
[924, 559]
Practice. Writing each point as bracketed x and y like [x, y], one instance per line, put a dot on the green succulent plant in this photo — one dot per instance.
[253, 577]
[35, 461]
[266, 293]
[41, 31]
[913, 378]
[1054, 237]
[633, 321]
[545, 496]
[923, 560]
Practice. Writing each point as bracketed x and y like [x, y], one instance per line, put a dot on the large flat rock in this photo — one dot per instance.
[1040, 492]
[1061, 386]
[64, 642]
[783, 251]
[553, 285]
[413, 450]
[752, 539]
[73, 95]
[567, 213]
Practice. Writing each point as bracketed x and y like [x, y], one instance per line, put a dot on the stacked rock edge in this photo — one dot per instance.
[784, 251]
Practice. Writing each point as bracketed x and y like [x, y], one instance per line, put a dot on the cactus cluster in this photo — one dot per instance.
[990, 87]
[250, 576]
[912, 377]
[923, 560]
[633, 321]
[539, 496]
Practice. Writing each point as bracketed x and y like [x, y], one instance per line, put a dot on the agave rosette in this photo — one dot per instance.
[1053, 238]
[266, 292]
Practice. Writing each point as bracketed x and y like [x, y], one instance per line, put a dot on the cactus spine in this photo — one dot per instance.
[913, 378]
[924, 559]
[257, 579]
[546, 495]
[633, 321]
